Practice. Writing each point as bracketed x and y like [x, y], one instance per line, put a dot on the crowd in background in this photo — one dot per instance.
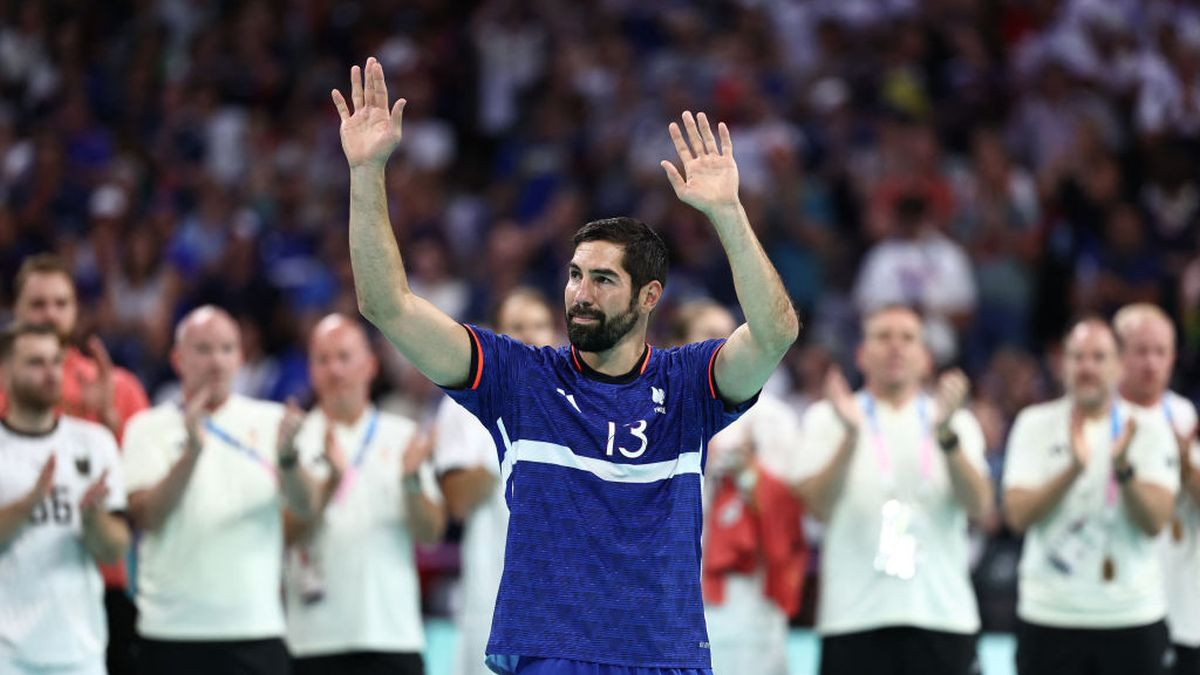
[1003, 166]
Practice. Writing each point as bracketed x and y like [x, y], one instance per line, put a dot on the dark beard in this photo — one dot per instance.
[33, 398]
[605, 333]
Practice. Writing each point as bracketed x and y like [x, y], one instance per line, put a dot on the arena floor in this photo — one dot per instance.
[995, 651]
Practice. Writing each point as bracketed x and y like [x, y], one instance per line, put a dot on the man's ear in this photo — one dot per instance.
[650, 295]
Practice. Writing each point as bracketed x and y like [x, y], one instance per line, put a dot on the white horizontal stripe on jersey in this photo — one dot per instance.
[543, 452]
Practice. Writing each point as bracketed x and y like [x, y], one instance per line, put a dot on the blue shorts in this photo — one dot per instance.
[540, 666]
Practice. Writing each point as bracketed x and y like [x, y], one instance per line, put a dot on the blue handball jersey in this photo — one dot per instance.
[603, 481]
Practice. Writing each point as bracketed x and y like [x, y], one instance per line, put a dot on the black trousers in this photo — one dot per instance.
[122, 618]
[186, 657]
[1187, 660]
[361, 663]
[1043, 650]
[900, 650]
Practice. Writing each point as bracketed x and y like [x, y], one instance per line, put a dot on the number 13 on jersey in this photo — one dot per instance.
[639, 432]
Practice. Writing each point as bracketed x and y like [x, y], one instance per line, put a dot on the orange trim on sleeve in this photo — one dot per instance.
[479, 351]
[712, 384]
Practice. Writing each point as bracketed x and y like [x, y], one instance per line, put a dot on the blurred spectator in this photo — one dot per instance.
[352, 595]
[206, 477]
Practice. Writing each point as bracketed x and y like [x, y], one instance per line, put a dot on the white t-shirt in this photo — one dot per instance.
[855, 596]
[464, 443]
[361, 552]
[212, 571]
[773, 429]
[1181, 557]
[1061, 580]
[51, 594]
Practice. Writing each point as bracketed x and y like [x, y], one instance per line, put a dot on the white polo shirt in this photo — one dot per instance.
[896, 460]
[1179, 544]
[464, 443]
[51, 594]
[212, 571]
[1061, 578]
[361, 551]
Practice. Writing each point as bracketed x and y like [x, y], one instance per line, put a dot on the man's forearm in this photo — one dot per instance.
[149, 508]
[13, 517]
[1149, 506]
[426, 520]
[763, 298]
[379, 277]
[106, 537]
[972, 490]
[465, 489]
[1023, 507]
[820, 492]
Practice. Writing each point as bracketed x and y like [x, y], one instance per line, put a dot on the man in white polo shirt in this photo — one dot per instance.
[207, 480]
[468, 467]
[1147, 341]
[61, 496]
[895, 473]
[353, 597]
[1091, 484]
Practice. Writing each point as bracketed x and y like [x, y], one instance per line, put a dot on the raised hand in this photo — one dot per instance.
[419, 449]
[289, 427]
[45, 483]
[1120, 451]
[92, 502]
[839, 395]
[1080, 451]
[710, 177]
[193, 416]
[97, 393]
[952, 391]
[370, 133]
[333, 454]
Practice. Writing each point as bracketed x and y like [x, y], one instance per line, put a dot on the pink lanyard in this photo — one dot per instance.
[883, 455]
[1115, 424]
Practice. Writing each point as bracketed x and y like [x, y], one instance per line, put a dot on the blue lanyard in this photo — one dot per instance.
[1167, 412]
[228, 439]
[372, 426]
[883, 454]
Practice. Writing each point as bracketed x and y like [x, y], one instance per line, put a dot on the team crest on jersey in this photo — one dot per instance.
[659, 398]
[83, 465]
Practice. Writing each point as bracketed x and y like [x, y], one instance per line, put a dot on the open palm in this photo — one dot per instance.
[710, 177]
[370, 133]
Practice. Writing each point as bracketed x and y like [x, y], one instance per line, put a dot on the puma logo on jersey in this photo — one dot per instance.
[659, 398]
[571, 399]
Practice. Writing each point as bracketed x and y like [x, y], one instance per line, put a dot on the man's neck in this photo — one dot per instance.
[346, 415]
[1144, 398]
[1095, 411]
[896, 396]
[621, 359]
[28, 420]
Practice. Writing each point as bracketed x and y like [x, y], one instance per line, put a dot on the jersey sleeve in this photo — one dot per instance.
[496, 362]
[144, 460]
[1021, 466]
[109, 459]
[699, 361]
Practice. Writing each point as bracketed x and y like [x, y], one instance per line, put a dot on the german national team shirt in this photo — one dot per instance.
[51, 594]
[603, 481]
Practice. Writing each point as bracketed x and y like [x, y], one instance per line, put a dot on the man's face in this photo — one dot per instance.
[48, 298]
[1090, 366]
[601, 304]
[1147, 357]
[33, 373]
[892, 354]
[208, 354]
[526, 320]
[341, 364]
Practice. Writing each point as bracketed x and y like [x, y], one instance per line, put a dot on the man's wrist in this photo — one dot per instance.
[1123, 473]
[947, 439]
[288, 460]
[411, 483]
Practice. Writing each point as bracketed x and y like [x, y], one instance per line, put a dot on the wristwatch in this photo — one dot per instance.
[288, 461]
[948, 440]
[1123, 474]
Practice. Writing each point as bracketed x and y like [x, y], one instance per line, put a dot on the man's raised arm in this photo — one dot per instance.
[711, 186]
[433, 341]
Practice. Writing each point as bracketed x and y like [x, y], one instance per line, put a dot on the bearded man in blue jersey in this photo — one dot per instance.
[602, 442]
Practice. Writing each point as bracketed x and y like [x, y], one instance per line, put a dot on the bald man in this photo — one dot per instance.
[353, 597]
[1091, 483]
[207, 478]
[1147, 341]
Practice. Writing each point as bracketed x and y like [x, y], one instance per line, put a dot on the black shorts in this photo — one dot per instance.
[122, 617]
[900, 650]
[187, 657]
[1187, 660]
[361, 663]
[1043, 650]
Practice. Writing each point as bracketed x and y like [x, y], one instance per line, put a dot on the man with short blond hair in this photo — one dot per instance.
[207, 477]
[1091, 483]
[1147, 340]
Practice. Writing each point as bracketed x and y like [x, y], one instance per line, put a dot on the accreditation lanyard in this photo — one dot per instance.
[235, 444]
[352, 470]
[883, 454]
[1114, 421]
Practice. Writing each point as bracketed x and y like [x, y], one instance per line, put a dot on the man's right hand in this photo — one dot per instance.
[193, 417]
[1080, 451]
[843, 401]
[45, 483]
[370, 133]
